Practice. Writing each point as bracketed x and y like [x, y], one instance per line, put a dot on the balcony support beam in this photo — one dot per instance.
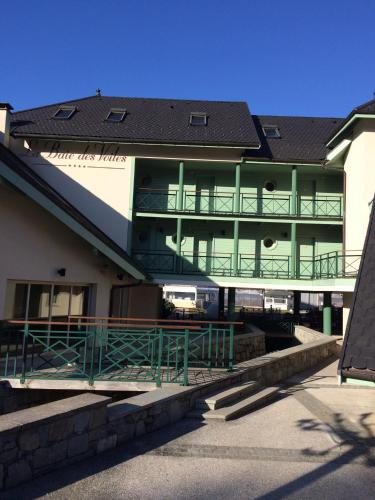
[237, 195]
[180, 200]
[293, 208]
[236, 232]
[231, 304]
[293, 253]
[296, 304]
[327, 313]
[221, 303]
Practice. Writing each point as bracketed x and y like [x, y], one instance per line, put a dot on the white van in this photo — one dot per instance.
[183, 297]
[279, 303]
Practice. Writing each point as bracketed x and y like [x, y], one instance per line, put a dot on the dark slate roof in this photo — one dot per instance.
[159, 121]
[358, 352]
[24, 171]
[301, 139]
[368, 108]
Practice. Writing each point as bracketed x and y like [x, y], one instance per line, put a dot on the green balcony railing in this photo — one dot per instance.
[206, 203]
[265, 205]
[198, 202]
[321, 207]
[156, 200]
[329, 265]
[115, 350]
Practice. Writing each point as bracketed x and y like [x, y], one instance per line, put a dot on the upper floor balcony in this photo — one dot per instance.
[225, 203]
[330, 265]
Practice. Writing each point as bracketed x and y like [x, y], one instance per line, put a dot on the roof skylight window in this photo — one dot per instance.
[198, 119]
[116, 115]
[64, 112]
[271, 131]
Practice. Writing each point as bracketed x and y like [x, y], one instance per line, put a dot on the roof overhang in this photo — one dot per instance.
[348, 124]
[336, 154]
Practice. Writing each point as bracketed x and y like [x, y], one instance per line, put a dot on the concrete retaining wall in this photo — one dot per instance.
[19, 399]
[39, 439]
[249, 346]
[48, 436]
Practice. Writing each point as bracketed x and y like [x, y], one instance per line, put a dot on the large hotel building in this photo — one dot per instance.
[105, 200]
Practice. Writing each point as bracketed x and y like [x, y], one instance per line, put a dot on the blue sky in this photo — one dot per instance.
[283, 57]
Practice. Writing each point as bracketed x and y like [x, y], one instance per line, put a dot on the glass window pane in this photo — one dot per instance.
[79, 301]
[60, 303]
[39, 303]
[15, 301]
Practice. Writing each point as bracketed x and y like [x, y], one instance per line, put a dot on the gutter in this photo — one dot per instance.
[112, 140]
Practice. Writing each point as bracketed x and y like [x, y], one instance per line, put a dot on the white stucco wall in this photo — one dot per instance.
[34, 245]
[360, 184]
[96, 179]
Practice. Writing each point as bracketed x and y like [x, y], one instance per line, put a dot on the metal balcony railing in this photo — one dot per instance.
[196, 202]
[115, 349]
[329, 265]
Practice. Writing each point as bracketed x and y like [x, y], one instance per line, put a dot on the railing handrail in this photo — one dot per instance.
[108, 325]
[184, 252]
[214, 193]
[163, 190]
[156, 320]
[324, 197]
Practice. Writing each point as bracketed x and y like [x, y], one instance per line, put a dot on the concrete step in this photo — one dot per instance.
[237, 409]
[224, 398]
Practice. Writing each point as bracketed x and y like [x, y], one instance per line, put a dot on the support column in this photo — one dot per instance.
[347, 298]
[293, 250]
[293, 200]
[180, 199]
[231, 304]
[327, 313]
[237, 196]
[296, 304]
[236, 231]
[178, 244]
[221, 303]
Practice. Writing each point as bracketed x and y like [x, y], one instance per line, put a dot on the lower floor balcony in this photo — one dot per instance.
[329, 265]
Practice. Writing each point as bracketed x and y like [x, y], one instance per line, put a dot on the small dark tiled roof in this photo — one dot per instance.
[24, 171]
[159, 121]
[358, 352]
[301, 138]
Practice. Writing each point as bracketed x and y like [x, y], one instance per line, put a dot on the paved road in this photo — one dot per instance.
[299, 447]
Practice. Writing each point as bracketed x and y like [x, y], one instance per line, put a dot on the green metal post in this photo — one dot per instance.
[209, 347]
[294, 191]
[186, 358]
[160, 358]
[24, 353]
[327, 313]
[231, 304]
[231, 347]
[92, 356]
[180, 203]
[178, 245]
[293, 253]
[238, 189]
[235, 246]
